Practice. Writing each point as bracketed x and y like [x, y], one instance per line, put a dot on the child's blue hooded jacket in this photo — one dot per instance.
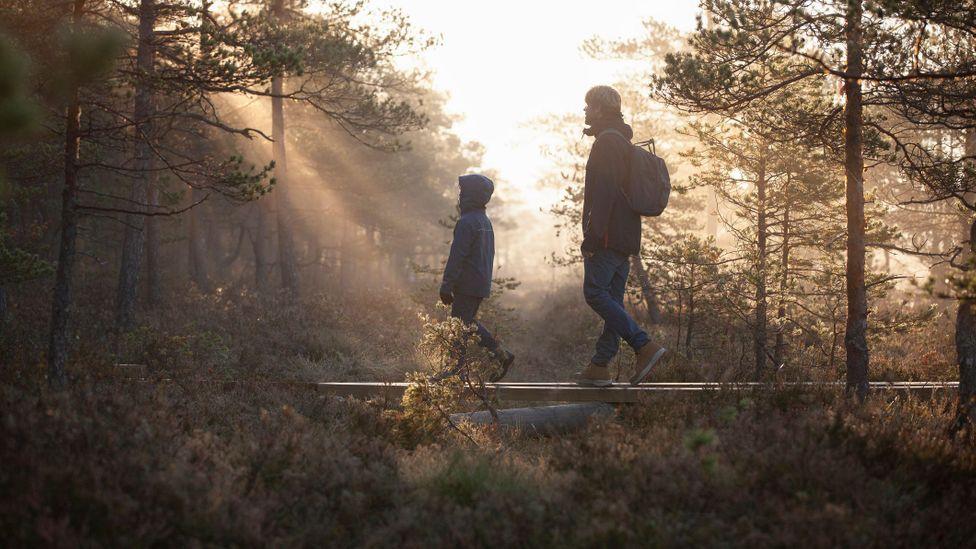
[469, 267]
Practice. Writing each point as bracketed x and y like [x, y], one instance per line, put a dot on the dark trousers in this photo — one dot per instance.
[604, 282]
[465, 307]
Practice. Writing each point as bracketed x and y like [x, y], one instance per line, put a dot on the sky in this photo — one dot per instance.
[505, 63]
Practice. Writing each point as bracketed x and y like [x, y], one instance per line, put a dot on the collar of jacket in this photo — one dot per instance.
[615, 120]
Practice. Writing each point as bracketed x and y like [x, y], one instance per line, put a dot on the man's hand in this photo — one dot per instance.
[447, 298]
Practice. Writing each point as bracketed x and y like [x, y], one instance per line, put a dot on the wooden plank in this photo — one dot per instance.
[618, 393]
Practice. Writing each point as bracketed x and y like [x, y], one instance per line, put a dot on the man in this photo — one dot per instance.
[467, 274]
[611, 234]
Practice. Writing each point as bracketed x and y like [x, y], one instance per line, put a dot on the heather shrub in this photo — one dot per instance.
[200, 352]
[188, 463]
[180, 461]
[455, 371]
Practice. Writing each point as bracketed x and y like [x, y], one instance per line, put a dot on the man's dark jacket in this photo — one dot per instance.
[608, 221]
[469, 267]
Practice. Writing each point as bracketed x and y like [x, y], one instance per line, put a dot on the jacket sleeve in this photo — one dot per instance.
[602, 196]
[460, 248]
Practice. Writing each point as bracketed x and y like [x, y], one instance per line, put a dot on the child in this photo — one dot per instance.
[467, 275]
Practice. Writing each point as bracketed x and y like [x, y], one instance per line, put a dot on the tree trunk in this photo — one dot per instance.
[966, 358]
[761, 237]
[260, 242]
[834, 333]
[153, 277]
[132, 247]
[855, 336]
[779, 351]
[691, 312]
[197, 245]
[966, 325]
[287, 262]
[57, 351]
[647, 291]
[196, 237]
[4, 309]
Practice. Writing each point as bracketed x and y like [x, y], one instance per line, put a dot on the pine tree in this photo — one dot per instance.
[854, 41]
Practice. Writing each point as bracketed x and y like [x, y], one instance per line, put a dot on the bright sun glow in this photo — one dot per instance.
[505, 64]
[508, 62]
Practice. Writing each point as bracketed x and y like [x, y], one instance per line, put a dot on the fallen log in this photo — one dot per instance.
[544, 420]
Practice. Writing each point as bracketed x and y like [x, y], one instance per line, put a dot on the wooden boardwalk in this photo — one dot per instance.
[618, 393]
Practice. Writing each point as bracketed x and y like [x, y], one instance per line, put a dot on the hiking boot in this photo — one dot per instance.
[594, 375]
[647, 356]
[505, 360]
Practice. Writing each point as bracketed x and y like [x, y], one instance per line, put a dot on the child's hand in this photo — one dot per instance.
[447, 298]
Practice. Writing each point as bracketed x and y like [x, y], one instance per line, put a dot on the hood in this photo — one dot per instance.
[615, 121]
[476, 191]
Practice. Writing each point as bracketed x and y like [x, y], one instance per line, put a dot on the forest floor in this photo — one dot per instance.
[112, 462]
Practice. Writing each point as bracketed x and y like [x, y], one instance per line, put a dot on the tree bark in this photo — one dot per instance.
[57, 351]
[966, 325]
[647, 290]
[260, 242]
[779, 351]
[4, 310]
[761, 265]
[855, 336]
[132, 247]
[287, 261]
[966, 359]
[153, 277]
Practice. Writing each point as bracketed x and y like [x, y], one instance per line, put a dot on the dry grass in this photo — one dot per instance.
[111, 462]
[142, 464]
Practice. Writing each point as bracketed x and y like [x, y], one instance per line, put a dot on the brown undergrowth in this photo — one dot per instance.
[122, 463]
[179, 462]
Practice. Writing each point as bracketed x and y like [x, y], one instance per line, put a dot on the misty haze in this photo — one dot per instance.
[414, 273]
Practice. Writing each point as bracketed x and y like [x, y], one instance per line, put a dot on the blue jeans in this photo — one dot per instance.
[604, 282]
[465, 307]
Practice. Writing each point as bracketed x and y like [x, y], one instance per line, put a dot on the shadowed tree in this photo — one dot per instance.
[95, 124]
[142, 191]
[853, 41]
[342, 69]
[18, 114]
[81, 56]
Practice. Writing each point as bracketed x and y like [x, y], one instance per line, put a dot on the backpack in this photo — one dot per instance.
[649, 186]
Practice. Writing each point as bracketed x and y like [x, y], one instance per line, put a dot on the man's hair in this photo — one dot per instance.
[603, 96]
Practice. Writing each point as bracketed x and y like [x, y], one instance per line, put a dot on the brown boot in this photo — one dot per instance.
[594, 375]
[647, 356]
